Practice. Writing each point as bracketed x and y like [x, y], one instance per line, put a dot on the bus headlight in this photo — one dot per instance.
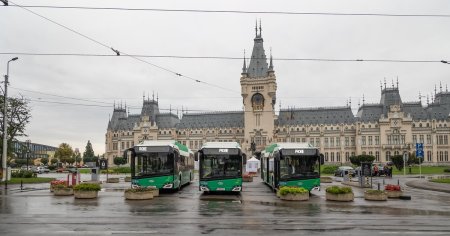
[168, 186]
[316, 188]
[204, 188]
[237, 189]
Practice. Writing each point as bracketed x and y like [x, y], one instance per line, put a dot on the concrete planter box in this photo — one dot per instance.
[139, 195]
[394, 194]
[247, 179]
[375, 196]
[343, 197]
[155, 192]
[326, 180]
[295, 197]
[112, 180]
[128, 179]
[63, 191]
[86, 194]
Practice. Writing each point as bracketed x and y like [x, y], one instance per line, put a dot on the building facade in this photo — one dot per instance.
[390, 127]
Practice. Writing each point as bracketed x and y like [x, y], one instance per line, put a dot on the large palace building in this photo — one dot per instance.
[384, 129]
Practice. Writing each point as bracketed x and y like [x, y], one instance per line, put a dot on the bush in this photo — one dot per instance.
[139, 189]
[339, 190]
[22, 174]
[446, 170]
[391, 187]
[357, 160]
[329, 169]
[87, 187]
[292, 190]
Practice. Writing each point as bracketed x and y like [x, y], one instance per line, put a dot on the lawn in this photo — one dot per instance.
[442, 181]
[425, 170]
[35, 180]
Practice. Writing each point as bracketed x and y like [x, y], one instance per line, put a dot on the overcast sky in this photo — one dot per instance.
[300, 83]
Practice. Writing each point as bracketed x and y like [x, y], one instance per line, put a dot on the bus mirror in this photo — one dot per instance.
[244, 158]
[322, 159]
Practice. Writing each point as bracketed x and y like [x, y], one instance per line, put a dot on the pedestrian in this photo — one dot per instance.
[375, 170]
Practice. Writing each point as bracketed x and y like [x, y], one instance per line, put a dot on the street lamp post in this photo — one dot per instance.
[5, 125]
[28, 151]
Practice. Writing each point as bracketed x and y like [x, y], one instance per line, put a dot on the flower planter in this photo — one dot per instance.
[326, 180]
[139, 195]
[341, 197]
[63, 191]
[112, 180]
[128, 179]
[295, 197]
[155, 192]
[86, 194]
[247, 179]
[394, 194]
[378, 196]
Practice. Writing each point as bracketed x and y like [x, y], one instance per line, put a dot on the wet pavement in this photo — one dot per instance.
[255, 211]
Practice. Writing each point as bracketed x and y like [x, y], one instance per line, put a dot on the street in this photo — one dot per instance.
[256, 211]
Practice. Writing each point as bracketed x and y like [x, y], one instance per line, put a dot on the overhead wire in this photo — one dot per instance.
[119, 52]
[236, 11]
[225, 57]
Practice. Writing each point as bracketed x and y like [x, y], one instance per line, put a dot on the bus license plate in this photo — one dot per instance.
[220, 189]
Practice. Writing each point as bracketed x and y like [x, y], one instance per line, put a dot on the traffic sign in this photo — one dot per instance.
[103, 164]
[419, 150]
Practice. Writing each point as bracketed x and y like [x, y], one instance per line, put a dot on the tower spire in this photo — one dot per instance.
[271, 62]
[428, 100]
[420, 98]
[440, 86]
[364, 99]
[256, 28]
[244, 67]
[260, 28]
[397, 82]
[384, 82]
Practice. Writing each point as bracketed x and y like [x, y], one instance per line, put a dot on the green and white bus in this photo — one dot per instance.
[291, 164]
[220, 167]
[161, 164]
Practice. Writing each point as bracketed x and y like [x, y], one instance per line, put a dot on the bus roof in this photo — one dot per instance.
[221, 145]
[279, 146]
[159, 143]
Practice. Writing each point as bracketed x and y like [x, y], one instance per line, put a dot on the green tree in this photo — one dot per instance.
[120, 161]
[44, 160]
[64, 153]
[88, 155]
[357, 160]
[19, 115]
[398, 161]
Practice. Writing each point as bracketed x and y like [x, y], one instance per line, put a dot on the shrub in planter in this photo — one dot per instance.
[293, 193]
[328, 169]
[57, 182]
[86, 190]
[338, 193]
[393, 191]
[326, 179]
[139, 193]
[375, 195]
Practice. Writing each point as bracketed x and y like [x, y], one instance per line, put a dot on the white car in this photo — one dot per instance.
[42, 169]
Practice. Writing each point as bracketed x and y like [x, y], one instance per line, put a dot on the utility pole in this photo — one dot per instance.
[5, 124]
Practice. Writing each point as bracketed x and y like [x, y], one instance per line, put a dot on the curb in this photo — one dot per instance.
[427, 186]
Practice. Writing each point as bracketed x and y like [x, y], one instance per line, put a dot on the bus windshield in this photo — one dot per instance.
[153, 163]
[219, 166]
[299, 167]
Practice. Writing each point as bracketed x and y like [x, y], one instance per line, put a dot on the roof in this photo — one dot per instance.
[370, 112]
[166, 120]
[171, 143]
[212, 120]
[221, 145]
[321, 115]
[258, 62]
[279, 146]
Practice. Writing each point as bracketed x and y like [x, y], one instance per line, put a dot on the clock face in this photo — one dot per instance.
[395, 123]
[257, 101]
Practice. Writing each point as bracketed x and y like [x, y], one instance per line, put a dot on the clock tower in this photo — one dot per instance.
[258, 90]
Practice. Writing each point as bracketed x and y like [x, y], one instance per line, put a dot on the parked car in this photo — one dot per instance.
[42, 169]
[342, 169]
